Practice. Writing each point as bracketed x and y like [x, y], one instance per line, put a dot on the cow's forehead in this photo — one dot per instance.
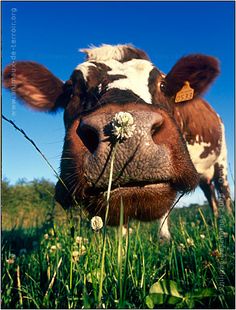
[124, 67]
[132, 75]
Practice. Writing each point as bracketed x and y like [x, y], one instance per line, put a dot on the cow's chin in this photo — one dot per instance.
[145, 203]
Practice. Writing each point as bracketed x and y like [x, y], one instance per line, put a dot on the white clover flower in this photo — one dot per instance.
[190, 241]
[59, 246]
[96, 223]
[123, 125]
[75, 256]
[125, 231]
[46, 236]
[77, 253]
[81, 240]
[53, 248]
[181, 247]
[202, 236]
[82, 250]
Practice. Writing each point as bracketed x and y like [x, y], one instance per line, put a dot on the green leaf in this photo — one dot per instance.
[163, 292]
[166, 287]
[190, 303]
[160, 299]
[149, 302]
[202, 293]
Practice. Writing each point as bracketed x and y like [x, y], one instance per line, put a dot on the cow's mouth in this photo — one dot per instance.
[142, 200]
[142, 186]
[130, 186]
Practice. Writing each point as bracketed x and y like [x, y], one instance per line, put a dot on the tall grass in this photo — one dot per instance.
[192, 261]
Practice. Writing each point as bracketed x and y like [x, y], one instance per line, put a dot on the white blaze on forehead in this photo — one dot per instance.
[105, 52]
[137, 73]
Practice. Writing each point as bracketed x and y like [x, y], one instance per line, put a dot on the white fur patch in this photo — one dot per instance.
[105, 52]
[84, 68]
[137, 73]
[222, 159]
[204, 166]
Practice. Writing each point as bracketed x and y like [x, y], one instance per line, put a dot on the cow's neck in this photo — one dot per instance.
[199, 124]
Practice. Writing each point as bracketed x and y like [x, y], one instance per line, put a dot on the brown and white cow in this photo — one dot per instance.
[153, 165]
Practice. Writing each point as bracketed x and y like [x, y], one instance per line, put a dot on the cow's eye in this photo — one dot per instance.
[163, 86]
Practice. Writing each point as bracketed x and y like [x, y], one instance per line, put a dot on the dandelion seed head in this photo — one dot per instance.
[96, 223]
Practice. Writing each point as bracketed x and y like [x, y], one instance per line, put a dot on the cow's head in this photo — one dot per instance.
[151, 166]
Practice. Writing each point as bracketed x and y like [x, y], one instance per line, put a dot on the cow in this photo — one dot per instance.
[177, 144]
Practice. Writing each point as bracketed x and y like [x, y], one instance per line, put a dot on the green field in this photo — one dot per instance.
[46, 265]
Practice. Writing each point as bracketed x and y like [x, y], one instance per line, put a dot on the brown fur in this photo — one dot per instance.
[36, 85]
[132, 52]
[198, 118]
[199, 70]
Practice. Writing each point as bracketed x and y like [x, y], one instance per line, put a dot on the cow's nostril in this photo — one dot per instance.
[157, 125]
[89, 136]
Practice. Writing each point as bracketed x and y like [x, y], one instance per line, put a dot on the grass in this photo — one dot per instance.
[198, 263]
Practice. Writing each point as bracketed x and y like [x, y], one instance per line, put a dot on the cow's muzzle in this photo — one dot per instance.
[138, 159]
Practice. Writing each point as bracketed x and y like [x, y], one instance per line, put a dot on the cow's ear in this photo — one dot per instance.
[35, 85]
[190, 77]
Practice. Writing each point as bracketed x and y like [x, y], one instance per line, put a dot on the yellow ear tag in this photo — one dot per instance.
[186, 93]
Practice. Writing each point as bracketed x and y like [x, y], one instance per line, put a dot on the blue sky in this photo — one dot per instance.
[51, 33]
